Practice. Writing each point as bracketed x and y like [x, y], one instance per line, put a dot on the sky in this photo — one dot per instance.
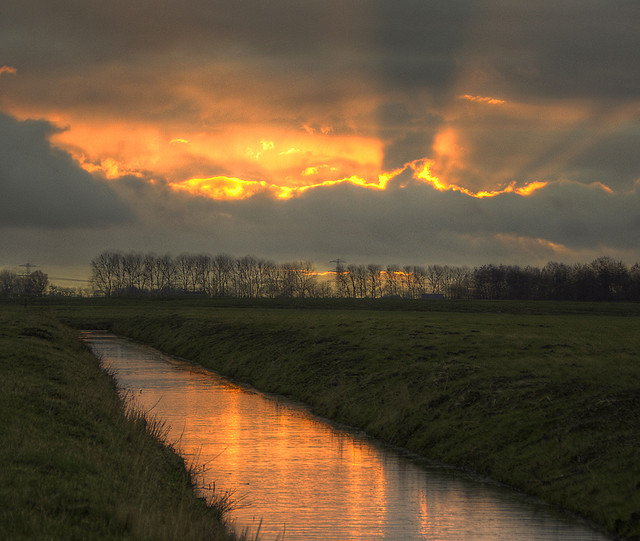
[407, 132]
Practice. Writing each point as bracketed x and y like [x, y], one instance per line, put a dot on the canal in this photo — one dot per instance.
[298, 477]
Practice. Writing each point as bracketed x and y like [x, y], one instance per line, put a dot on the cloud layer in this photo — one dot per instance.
[43, 187]
[253, 127]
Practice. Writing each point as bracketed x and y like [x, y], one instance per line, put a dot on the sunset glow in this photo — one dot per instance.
[422, 171]
[407, 134]
[8, 69]
[222, 187]
[483, 99]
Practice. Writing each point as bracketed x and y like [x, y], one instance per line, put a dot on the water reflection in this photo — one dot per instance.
[309, 480]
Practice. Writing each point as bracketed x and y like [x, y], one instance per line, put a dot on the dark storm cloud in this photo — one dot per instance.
[570, 48]
[205, 29]
[43, 186]
[406, 135]
[418, 225]
[613, 158]
[418, 43]
[564, 222]
[118, 54]
[566, 49]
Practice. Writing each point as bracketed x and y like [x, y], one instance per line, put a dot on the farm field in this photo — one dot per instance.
[544, 397]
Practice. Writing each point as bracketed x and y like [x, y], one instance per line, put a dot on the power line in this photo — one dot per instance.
[68, 279]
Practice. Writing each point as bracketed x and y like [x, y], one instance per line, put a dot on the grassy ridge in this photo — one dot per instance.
[548, 403]
[74, 465]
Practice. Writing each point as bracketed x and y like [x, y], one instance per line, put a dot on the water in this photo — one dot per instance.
[302, 478]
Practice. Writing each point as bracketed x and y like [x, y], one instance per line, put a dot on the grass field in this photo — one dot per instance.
[542, 396]
[75, 464]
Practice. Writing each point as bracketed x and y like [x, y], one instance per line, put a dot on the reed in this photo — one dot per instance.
[77, 463]
[546, 402]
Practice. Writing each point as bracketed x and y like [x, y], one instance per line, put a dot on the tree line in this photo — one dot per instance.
[116, 274]
[126, 274]
[20, 285]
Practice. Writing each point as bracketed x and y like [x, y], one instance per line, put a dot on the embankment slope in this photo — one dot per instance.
[549, 404]
[75, 465]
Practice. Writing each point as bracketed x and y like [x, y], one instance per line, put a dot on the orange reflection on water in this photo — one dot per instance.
[304, 477]
[283, 460]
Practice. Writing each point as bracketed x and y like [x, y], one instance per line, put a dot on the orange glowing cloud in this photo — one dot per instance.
[449, 155]
[422, 171]
[281, 163]
[108, 167]
[446, 145]
[482, 99]
[8, 69]
[532, 244]
[222, 187]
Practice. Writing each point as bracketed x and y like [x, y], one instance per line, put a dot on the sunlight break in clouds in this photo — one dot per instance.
[234, 188]
[422, 171]
[378, 131]
[8, 69]
[482, 99]
[222, 187]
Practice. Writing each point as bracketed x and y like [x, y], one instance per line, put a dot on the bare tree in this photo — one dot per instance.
[200, 273]
[356, 281]
[305, 278]
[106, 273]
[392, 287]
[222, 275]
[418, 278]
[132, 272]
[435, 277]
[35, 283]
[248, 276]
[166, 273]
[183, 274]
[8, 283]
[274, 277]
[374, 275]
[114, 273]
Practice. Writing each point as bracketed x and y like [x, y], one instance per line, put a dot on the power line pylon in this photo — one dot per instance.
[27, 268]
[337, 262]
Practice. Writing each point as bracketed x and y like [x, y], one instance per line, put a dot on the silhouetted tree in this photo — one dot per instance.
[115, 273]
[8, 283]
[374, 276]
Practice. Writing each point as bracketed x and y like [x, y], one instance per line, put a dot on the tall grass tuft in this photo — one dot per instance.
[77, 463]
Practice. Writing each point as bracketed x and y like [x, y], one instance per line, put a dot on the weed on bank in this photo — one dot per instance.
[75, 464]
[548, 403]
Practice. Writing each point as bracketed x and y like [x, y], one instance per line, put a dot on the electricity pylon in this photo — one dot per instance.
[337, 262]
[28, 267]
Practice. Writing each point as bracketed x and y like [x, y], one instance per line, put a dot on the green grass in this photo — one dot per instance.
[542, 396]
[75, 464]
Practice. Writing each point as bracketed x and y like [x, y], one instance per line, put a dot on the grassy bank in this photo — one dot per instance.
[548, 402]
[74, 464]
[542, 396]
